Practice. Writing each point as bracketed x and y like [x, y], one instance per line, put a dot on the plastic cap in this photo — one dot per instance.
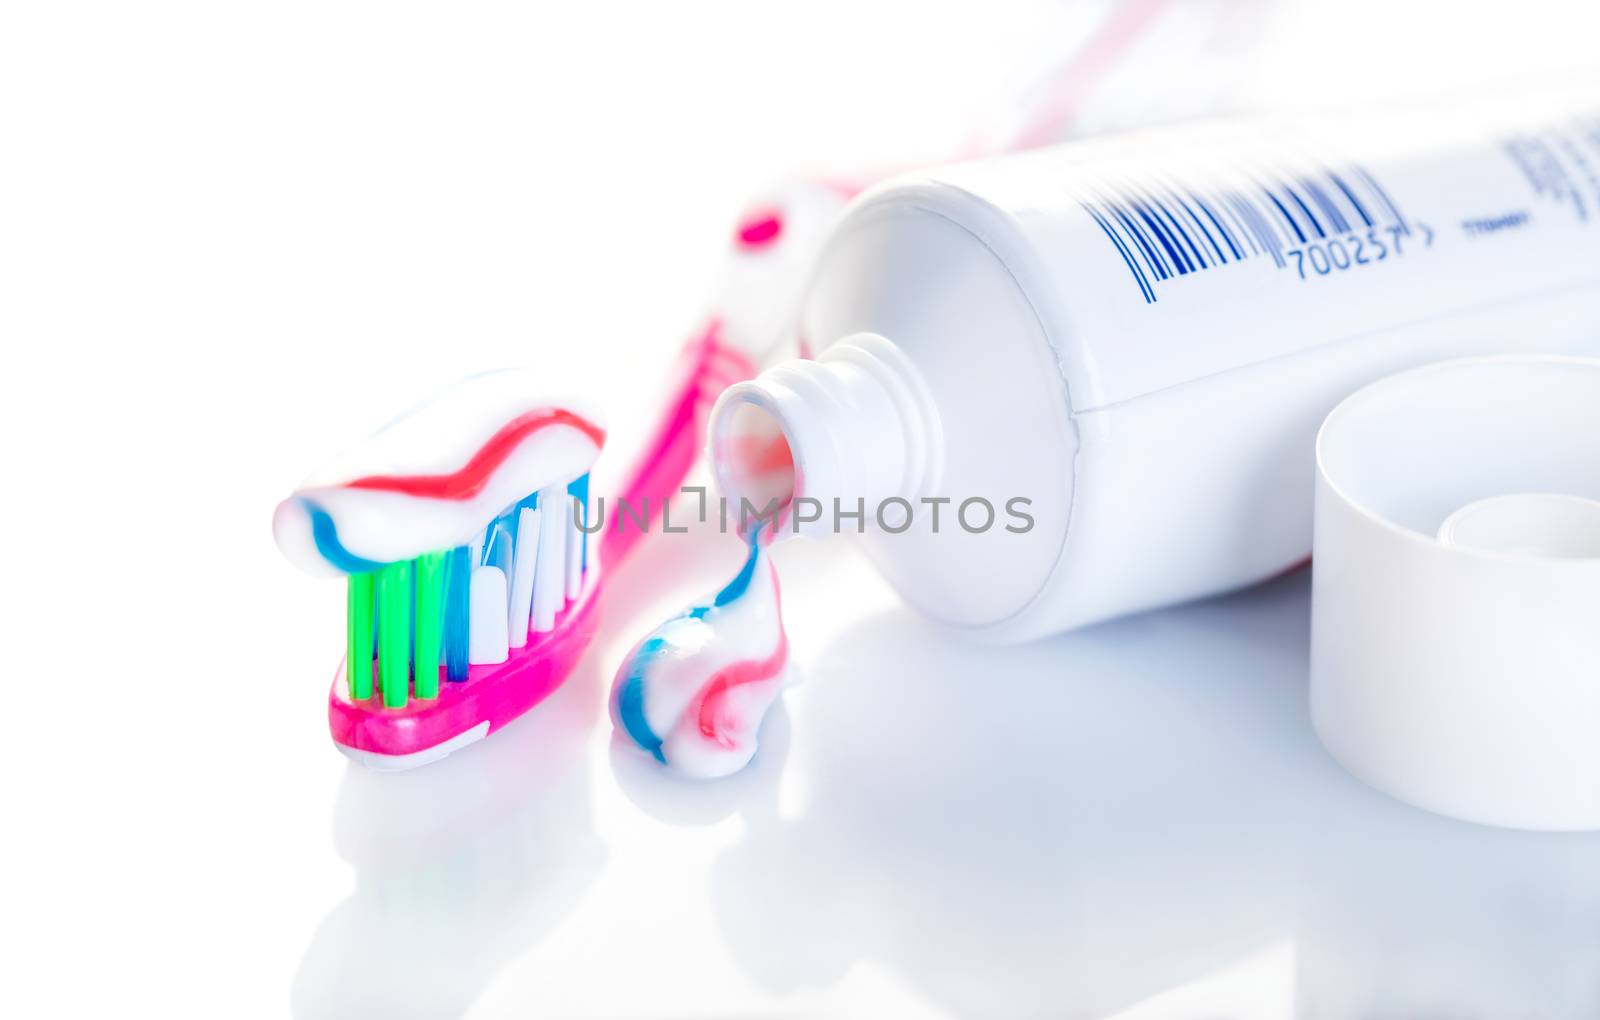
[1456, 589]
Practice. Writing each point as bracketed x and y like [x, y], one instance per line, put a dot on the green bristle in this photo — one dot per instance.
[430, 570]
[394, 632]
[358, 644]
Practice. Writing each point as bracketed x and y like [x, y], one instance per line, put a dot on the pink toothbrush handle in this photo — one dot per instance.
[706, 367]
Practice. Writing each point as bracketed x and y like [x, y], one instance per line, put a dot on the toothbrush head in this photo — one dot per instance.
[461, 528]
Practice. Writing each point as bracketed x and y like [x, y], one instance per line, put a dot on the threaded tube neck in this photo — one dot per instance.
[856, 425]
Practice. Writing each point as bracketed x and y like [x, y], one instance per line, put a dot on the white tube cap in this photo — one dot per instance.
[1455, 651]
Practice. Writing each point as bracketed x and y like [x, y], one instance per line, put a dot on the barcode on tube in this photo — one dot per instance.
[1164, 229]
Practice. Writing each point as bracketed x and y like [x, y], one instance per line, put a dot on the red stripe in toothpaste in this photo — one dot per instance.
[747, 672]
[470, 479]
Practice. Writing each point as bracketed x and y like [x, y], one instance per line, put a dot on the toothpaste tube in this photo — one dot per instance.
[1074, 383]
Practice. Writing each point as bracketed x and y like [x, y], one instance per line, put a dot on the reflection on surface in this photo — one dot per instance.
[683, 800]
[460, 866]
[1111, 815]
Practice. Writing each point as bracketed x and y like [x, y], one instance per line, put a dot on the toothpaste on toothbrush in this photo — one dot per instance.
[435, 477]
[694, 692]
[455, 525]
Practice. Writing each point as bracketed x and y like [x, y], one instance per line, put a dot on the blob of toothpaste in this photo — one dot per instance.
[693, 693]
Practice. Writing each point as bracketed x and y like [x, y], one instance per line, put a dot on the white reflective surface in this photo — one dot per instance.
[1134, 820]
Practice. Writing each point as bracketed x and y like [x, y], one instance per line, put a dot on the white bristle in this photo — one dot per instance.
[570, 520]
[475, 547]
[549, 579]
[486, 628]
[497, 550]
[523, 565]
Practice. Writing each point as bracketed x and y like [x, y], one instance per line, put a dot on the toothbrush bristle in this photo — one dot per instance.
[550, 571]
[579, 489]
[457, 614]
[394, 632]
[359, 630]
[487, 631]
[470, 604]
[500, 542]
[573, 582]
[429, 622]
[526, 567]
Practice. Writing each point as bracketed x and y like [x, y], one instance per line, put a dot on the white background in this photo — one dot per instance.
[234, 236]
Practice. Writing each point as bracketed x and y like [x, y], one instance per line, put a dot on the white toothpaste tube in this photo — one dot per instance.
[1062, 386]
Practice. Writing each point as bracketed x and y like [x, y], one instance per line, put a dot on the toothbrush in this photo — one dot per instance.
[472, 587]
[472, 590]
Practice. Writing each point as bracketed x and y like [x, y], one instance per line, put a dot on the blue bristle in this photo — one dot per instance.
[579, 487]
[457, 613]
